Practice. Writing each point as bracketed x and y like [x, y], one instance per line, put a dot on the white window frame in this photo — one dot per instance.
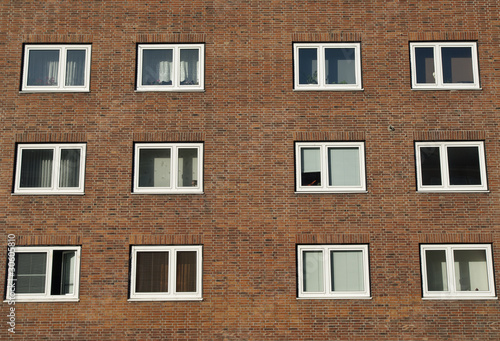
[176, 86]
[174, 188]
[445, 180]
[172, 295]
[322, 86]
[452, 292]
[438, 71]
[62, 48]
[325, 188]
[327, 293]
[47, 296]
[54, 189]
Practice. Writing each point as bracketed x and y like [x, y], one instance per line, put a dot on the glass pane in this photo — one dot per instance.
[68, 272]
[157, 67]
[69, 172]
[344, 167]
[186, 271]
[310, 167]
[36, 168]
[347, 270]
[30, 272]
[430, 163]
[313, 271]
[457, 64]
[340, 67]
[154, 167]
[188, 167]
[190, 60]
[424, 63]
[308, 66]
[471, 272]
[43, 67]
[152, 272]
[75, 68]
[463, 165]
[437, 278]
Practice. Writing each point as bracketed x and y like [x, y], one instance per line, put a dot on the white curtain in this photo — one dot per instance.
[75, 68]
[30, 272]
[68, 272]
[189, 66]
[187, 168]
[154, 168]
[157, 67]
[43, 67]
[437, 278]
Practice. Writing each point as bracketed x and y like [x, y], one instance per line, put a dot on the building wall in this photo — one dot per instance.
[249, 219]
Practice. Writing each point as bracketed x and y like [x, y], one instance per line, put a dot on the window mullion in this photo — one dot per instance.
[445, 173]
[321, 66]
[450, 264]
[172, 279]
[176, 60]
[438, 66]
[327, 270]
[174, 170]
[48, 273]
[324, 166]
[62, 67]
[56, 162]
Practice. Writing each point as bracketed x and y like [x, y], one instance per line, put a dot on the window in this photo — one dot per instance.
[56, 68]
[327, 66]
[444, 65]
[451, 166]
[50, 169]
[333, 271]
[168, 168]
[457, 271]
[45, 273]
[170, 67]
[330, 166]
[166, 273]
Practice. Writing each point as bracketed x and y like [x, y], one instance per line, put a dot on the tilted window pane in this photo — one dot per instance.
[347, 270]
[430, 163]
[457, 65]
[344, 168]
[187, 167]
[154, 167]
[30, 272]
[186, 271]
[311, 166]
[43, 68]
[424, 62]
[471, 272]
[157, 67]
[437, 278]
[69, 172]
[189, 66]
[313, 271]
[68, 272]
[152, 272]
[340, 66]
[463, 165]
[308, 66]
[75, 68]
[36, 168]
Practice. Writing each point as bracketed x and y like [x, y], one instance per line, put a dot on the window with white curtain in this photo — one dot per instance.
[45, 273]
[56, 68]
[170, 67]
[456, 271]
[333, 271]
[166, 273]
[330, 167]
[50, 169]
[327, 66]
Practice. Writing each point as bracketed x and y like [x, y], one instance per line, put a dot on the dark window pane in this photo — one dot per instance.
[463, 164]
[424, 63]
[43, 68]
[430, 166]
[152, 272]
[36, 168]
[75, 68]
[69, 172]
[340, 66]
[308, 66]
[186, 271]
[30, 272]
[457, 64]
[437, 278]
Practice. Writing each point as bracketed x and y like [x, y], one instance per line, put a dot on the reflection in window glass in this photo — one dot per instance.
[457, 65]
[308, 66]
[69, 170]
[43, 68]
[344, 168]
[340, 66]
[313, 271]
[424, 60]
[463, 165]
[347, 270]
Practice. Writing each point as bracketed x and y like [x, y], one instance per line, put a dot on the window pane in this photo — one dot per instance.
[152, 272]
[186, 271]
[188, 167]
[437, 278]
[313, 271]
[154, 167]
[430, 164]
[69, 172]
[36, 168]
[457, 64]
[308, 66]
[30, 272]
[157, 67]
[463, 164]
[189, 66]
[347, 270]
[75, 68]
[311, 166]
[471, 272]
[424, 63]
[340, 66]
[344, 167]
[43, 67]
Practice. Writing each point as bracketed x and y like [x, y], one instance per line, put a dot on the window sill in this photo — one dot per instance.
[449, 89]
[336, 298]
[39, 300]
[332, 192]
[32, 91]
[452, 191]
[165, 299]
[328, 89]
[167, 193]
[169, 90]
[460, 298]
[49, 193]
